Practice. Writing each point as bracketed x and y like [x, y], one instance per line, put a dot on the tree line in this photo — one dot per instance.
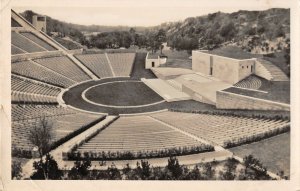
[252, 169]
[204, 32]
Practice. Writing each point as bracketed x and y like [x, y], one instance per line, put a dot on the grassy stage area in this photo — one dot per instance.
[274, 152]
[124, 93]
[177, 59]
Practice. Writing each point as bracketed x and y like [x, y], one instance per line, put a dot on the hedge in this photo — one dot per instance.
[255, 138]
[129, 155]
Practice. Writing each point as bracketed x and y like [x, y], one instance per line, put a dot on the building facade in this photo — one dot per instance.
[224, 68]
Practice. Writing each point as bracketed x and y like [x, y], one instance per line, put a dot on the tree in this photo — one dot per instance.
[193, 174]
[40, 136]
[161, 37]
[230, 170]
[80, 169]
[132, 35]
[155, 39]
[255, 168]
[47, 169]
[114, 173]
[174, 167]
[208, 172]
[16, 170]
[228, 31]
[145, 170]
[287, 55]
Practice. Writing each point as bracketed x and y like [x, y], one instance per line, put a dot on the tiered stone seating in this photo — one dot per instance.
[22, 112]
[62, 125]
[39, 41]
[97, 63]
[29, 86]
[16, 50]
[137, 133]
[276, 73]
[33, 70]
[121, 63]
[24, 43]
[64, 66]
[251, 82]
[219, 129]
[14, 23]
[29, 98]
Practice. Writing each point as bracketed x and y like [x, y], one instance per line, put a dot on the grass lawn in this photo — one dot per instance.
[178, 63]
[274, 153]
[233, 52]
[177, 59]
[175, 54]
[277, 91]
[123, 94]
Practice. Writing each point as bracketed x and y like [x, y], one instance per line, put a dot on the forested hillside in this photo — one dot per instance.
[254, 31]
[211, 30]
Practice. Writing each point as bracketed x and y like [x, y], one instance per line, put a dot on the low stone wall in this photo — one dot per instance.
[196, 96]
[75, 51]
[21, 57]
[227, 100]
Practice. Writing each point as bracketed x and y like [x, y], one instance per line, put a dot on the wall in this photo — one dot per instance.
[201, 62]
[196, 96]
[149, 63]
[261, 71]
[243, 70]
[227, 100]
[21, 57]
[225, 69]
[39, 25]
[157, 62]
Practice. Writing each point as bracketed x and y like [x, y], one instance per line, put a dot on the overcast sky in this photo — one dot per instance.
[134, 12]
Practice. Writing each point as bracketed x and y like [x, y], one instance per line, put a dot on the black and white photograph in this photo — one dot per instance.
[138, 91]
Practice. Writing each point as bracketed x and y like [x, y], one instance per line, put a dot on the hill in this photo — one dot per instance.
[213, 30]
[261, 32]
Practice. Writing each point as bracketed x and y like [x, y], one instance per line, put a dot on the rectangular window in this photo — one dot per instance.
[41, 18]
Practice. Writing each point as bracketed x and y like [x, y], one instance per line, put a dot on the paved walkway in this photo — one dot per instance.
[165, 90]
[110, 66]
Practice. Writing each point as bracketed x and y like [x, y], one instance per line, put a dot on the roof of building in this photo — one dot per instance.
[232, 52]
[153, 55]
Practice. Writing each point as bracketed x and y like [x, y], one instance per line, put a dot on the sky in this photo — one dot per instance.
[134, 12]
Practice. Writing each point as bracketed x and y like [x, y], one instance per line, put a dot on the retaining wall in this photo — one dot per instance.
[227, 100]
[34, 55]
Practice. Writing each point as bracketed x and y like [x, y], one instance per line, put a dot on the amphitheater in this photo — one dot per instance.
[109, 104]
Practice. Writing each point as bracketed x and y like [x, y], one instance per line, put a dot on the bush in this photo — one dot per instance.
[255, 138]
[16, 170]
[128, 155]
[47, 169]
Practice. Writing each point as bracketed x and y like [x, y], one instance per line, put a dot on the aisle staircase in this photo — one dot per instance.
[269, 71]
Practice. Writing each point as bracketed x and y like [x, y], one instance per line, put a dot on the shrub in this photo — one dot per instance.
[128, 155]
